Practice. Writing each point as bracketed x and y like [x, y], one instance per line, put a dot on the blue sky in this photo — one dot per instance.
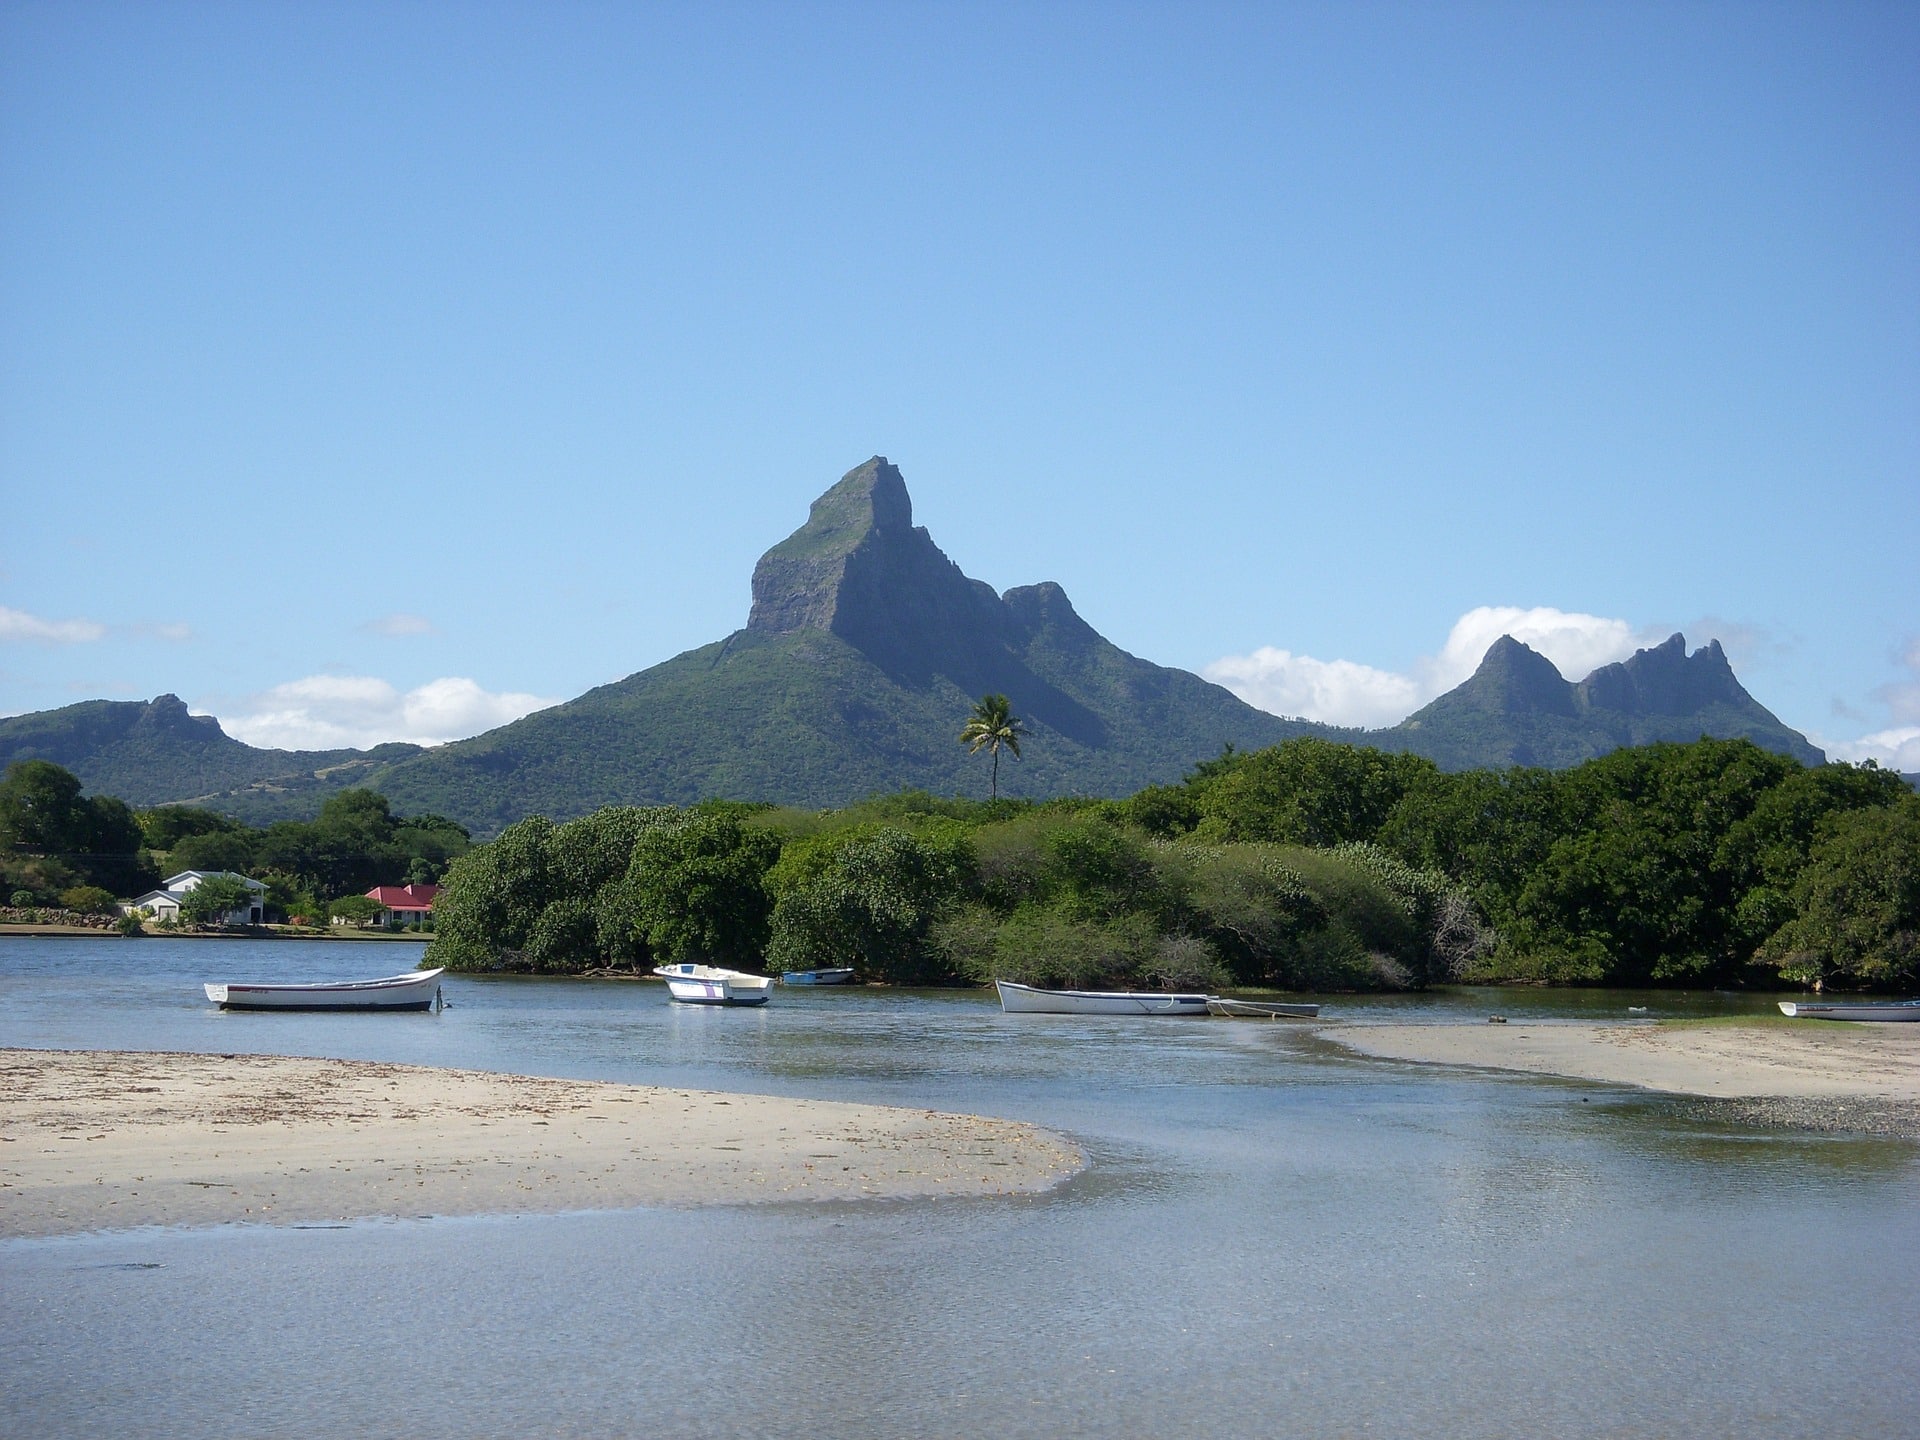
[382, 371]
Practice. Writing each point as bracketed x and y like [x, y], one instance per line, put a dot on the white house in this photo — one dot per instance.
[164, 903]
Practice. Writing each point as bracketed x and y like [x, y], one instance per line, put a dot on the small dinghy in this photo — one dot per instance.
[710, 985]
[416, 990]
[835, 976]
[1857, 1010]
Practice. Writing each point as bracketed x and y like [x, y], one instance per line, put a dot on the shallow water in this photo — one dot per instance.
[1273, 1238]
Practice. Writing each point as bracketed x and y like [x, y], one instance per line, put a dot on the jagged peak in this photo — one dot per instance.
[1664, 680]
[1513, 678]
[1045, 607]
[796, 584]
[169, 712]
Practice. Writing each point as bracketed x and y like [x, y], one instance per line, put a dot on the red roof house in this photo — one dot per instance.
[403, 904]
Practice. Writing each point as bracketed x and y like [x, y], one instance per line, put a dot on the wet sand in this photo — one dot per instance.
[94, 1140]
[1814, 1073]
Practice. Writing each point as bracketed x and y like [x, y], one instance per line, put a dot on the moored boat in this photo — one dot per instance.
[417, 990]
[1018, 999]
[837, 975]
[710, 985]
[1852, 1010]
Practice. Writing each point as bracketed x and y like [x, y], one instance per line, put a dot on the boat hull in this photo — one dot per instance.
[1828, 1010]
[1027, 1000]
[416, 991]
[710, 985]
[818, 977]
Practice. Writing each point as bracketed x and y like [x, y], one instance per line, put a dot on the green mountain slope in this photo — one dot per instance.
[155, 753]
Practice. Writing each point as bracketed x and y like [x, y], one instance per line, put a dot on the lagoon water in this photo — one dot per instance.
[1272, 1238]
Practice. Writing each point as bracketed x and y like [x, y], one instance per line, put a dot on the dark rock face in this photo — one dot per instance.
[167, 715]
[861, 569]
[1665, 681]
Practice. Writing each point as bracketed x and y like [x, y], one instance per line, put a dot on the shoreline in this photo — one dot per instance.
[109, 1140]
[1829, 1076]
[53, 930]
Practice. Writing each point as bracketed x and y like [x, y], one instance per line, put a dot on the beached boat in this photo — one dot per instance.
[835, 976]
[710, 985]
[1029, 1000]
[417, 990]
[1852, 1010]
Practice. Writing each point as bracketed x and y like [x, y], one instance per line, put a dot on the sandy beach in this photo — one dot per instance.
[94, 1140]
[1820, 1073]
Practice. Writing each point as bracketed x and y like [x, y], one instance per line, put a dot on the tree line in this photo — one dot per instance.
[58, 845]
[1302, 866]
[1311, 865]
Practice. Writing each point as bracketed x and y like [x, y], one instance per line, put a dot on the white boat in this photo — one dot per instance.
[1855, 1010]
[836, 976]
[710, 985]
[1028, 1000]
[416, 990]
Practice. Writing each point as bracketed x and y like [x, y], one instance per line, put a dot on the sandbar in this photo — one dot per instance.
[93, 1140]
[1828, 1065]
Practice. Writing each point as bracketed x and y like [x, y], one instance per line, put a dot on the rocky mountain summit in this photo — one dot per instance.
[1517, 709]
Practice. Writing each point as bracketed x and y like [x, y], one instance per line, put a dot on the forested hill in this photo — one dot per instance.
[155, 753]
[864, 650]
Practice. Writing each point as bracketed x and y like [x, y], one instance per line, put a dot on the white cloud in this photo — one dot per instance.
[1896, 749]
[1577, 644]
[400, 625]
[1345, 692]
[329, 712]
[1339, 692]
[19, 625]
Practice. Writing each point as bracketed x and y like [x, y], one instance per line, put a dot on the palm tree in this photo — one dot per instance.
[992, 725]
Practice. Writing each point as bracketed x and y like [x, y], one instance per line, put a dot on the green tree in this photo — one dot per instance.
[165, 826]
[356, 909]
[213, 850]
[214, 899]
[1857, 903]
[697, 889]
[993, 727]
[1306, 791]
[872, 904]
[87, 900]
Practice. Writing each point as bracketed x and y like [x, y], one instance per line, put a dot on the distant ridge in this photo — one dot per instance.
[863, 650]
[152, 752]
[1517, 709]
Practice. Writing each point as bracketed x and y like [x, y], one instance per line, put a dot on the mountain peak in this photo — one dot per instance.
[863, 570]
[1664, 680]
[1514, 679]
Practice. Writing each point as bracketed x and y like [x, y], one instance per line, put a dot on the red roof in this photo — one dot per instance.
[404, 897]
